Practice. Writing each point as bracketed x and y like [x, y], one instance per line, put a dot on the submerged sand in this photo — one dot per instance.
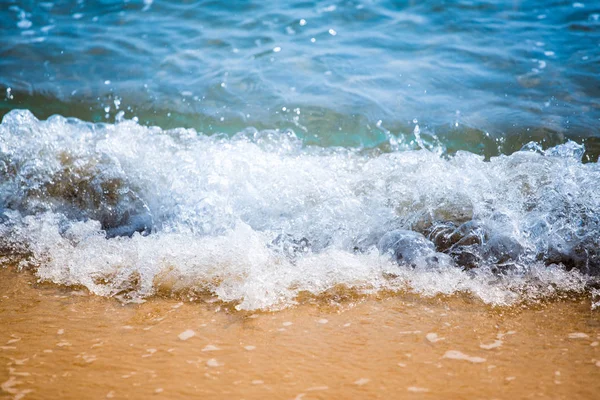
[64, 343]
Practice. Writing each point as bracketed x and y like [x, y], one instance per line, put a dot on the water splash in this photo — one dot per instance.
[259, 218]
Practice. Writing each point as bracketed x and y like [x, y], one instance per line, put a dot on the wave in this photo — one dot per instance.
[261, 218]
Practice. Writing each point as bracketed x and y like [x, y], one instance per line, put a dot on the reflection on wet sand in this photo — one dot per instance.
[64, 343]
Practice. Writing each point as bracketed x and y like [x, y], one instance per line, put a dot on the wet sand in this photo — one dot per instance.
[63, 343]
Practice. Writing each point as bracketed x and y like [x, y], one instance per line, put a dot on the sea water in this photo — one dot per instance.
[258, 151]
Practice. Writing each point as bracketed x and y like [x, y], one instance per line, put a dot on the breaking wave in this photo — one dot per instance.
[260, 218]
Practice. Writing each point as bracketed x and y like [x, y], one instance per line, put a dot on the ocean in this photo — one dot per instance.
[264, 151]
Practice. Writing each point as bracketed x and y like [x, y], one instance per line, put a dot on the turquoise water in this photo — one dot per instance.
[263, 150]
[484, 76]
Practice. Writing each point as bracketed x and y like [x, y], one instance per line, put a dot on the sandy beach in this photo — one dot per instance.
[305, 199]
[64, 343]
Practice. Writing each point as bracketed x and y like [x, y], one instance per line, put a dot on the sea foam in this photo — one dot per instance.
[258, 218]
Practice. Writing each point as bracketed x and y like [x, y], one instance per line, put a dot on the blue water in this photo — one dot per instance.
[260, 151]
[485, 76]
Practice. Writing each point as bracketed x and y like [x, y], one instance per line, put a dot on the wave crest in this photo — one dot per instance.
[259, 218]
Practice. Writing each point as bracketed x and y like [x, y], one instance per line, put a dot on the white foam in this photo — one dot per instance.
[458, 355]
[213, 363]
[433, 337]
[259, 218]
[416, 389]
[578, 335]
[188, 334]
[493, 345]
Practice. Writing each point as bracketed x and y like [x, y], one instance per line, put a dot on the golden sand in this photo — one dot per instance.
[59, 343]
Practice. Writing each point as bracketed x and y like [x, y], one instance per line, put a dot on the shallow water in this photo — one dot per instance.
[483, 76]
[61, 343]
[261, 153]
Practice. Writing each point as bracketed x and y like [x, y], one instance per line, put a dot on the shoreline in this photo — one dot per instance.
[59, 342]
